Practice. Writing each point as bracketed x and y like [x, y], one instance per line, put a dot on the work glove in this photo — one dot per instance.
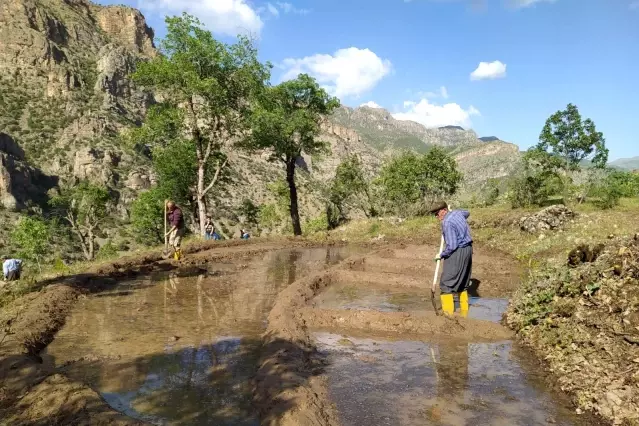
[437, 258]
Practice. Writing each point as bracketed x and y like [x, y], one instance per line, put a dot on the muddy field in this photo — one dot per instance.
[273, 333]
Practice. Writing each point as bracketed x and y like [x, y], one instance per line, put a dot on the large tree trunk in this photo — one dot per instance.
[290, 179]
[91, 239]
[201, 205]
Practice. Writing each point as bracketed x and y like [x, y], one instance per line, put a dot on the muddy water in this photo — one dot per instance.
[380, 382]
[181, 350]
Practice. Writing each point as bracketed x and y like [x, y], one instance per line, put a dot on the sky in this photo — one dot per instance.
[500, 67]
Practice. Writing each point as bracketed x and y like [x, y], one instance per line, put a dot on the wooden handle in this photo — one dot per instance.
[441, 248]
[166, 238]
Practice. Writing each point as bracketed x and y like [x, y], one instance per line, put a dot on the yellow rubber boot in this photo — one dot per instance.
[448, 303]
[177, 255]
[463, 303]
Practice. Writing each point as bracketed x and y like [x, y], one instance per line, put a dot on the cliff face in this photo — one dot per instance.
[66, 96]
[64, 67]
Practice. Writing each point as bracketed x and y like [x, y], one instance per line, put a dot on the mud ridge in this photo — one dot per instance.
[428, 326]
[30, 323]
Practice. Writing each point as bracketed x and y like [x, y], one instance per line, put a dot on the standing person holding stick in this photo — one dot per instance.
[175, 234]
[458, 254]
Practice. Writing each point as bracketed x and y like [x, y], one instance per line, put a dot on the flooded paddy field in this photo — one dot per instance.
[301, 336]
[172, 349]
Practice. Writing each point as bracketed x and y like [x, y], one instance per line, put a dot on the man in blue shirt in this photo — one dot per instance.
[458, 256]
[11, 268]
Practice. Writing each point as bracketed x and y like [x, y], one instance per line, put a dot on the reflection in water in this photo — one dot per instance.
[160, 350]
[408, 383]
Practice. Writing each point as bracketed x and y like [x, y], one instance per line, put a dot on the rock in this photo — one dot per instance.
[549, 219]
[95, 165]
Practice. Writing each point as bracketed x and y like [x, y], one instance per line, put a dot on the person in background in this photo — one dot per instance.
[209, 228]
[244, 234]
[11, 268]
[458, 256]
[175, 234]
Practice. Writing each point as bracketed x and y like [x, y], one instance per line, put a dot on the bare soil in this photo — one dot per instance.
[290, 387]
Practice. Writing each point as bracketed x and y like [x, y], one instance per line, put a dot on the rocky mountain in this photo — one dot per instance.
[478, 158]
[383, 132]
[489, 139]
[626, 163]
[66, 97]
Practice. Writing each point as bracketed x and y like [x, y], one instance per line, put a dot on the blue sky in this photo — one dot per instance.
[500, 67]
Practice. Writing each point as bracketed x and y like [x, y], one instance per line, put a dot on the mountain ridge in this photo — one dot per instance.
[66, 97]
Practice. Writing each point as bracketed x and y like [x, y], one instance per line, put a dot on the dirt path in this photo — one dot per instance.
[290, 386]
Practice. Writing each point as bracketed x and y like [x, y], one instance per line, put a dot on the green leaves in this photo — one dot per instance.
[32, 237]
[147, 216]
[567, 140]
[87, 202]
[287, 118]
[410, 178]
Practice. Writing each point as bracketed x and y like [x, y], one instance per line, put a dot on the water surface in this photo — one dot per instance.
[181, 350]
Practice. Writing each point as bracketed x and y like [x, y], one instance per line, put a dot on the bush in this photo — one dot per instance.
[33, 239]
[533, 189]
[411, 179]
[608, 193]
[317, 224]
[107, 251]
[147, 217]
[268, 217]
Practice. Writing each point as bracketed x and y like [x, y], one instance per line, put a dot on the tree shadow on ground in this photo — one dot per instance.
[211, 384]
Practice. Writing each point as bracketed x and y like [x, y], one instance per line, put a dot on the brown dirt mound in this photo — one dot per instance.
[584, 322]
[60, 401]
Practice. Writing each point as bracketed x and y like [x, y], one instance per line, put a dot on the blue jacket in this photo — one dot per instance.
[456, 231]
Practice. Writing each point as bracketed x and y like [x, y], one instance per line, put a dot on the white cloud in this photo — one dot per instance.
[527, 3]
[443, 92]
[228, 17]
[433, 115]
[348, 72]
[272, 9]
[289, 8]
[371, 104]
[489, 71]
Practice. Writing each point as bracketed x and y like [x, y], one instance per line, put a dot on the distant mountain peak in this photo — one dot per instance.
[489, 139]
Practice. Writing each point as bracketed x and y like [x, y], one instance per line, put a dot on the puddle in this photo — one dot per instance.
[181, 350]
[357, 297]
[375, 382]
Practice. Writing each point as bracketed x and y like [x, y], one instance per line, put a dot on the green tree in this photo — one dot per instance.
[287, 121]
[32, 237]
[565, 142]
[147, 216]
[410, 178]
[207, 86]
[349, 183]
[84, 207]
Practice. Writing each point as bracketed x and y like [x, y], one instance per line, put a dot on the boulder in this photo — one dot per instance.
[549, 219]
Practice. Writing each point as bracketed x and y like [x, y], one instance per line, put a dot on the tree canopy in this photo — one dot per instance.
[206, 88]
[286, 120]
[411, 178]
